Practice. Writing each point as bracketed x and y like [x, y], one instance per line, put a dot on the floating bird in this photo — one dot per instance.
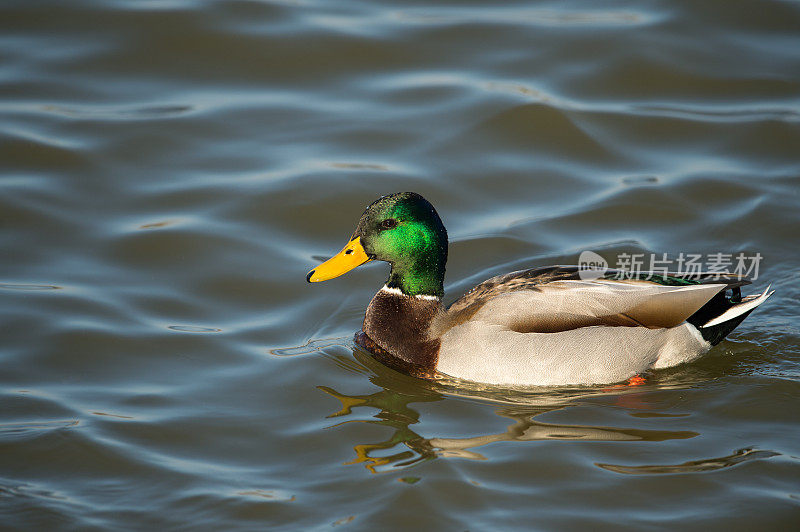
[554, 325]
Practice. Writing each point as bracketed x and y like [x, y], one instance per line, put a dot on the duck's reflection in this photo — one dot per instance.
[395, 413]
[406, 447]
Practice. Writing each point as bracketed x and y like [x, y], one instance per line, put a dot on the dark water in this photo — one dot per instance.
[172, 169]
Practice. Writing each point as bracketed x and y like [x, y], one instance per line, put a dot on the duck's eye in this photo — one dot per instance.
[389, 223]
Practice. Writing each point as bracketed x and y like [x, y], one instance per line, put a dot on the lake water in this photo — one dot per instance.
[170, 170]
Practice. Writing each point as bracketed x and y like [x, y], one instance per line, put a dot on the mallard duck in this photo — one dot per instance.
[555, 325]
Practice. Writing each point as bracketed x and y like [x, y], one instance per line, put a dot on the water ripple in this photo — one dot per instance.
[694, 466]
[529, 16]
[193, 328]
[29, 287]
[171, 169]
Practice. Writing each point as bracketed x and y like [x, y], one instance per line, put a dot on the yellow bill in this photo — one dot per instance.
[351, 256]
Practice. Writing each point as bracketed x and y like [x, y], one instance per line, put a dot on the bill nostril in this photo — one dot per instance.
[348, 252]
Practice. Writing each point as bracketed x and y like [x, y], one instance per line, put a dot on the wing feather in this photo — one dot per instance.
[555, 298]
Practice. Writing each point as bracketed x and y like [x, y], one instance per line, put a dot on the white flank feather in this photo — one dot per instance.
[486, 352]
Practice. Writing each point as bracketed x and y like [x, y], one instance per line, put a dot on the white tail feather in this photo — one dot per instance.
[738, 309]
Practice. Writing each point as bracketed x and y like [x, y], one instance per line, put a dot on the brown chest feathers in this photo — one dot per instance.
[396, 331]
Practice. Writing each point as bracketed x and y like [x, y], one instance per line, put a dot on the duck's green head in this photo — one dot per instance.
[404, 230]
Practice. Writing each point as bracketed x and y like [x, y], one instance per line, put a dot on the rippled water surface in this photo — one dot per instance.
[170, 170]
